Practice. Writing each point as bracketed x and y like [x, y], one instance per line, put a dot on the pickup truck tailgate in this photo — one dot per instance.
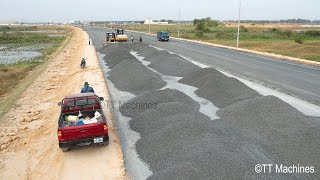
[83, 131]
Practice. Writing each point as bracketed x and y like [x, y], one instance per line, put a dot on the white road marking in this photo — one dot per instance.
[206, 107]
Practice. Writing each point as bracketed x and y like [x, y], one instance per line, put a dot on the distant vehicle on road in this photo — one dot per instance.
[120, 31]
[163, 36]
[83, 63]
[82, 121]
[110, 36]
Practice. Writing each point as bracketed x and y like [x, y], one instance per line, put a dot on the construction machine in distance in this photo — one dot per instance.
[120, 36]
[110, 37]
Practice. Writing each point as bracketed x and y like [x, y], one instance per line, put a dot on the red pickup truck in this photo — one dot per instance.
[82, 121]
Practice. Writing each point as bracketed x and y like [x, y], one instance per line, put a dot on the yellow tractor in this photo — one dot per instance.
[110, 37]
[120, 36]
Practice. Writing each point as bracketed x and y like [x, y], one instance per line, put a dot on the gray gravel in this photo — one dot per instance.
[178, 142]
[173, 65]
[218, 88]
[287, 135]
[127, 73]
[159, 97]
[164, 62]
[151, 54]
[116, 53]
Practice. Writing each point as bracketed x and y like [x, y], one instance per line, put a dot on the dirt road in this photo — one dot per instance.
[28, 138]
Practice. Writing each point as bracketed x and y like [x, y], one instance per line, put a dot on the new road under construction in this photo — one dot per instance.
[150, 108]
[138, 90]
[185, 110]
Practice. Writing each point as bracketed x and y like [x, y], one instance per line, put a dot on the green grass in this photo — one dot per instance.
[10, 76]
[50, 50]
[28, 38]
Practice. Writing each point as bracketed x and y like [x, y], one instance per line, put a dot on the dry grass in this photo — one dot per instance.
[308, 50]
[10, 76]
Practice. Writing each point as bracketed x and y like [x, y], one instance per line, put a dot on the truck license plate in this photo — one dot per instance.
[98, 140]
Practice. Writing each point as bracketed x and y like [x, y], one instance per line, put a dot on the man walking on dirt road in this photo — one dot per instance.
[87, 88]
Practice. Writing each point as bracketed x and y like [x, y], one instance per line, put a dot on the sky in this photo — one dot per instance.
[123, 10]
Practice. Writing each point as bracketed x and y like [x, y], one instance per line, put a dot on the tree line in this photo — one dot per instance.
[296, 21]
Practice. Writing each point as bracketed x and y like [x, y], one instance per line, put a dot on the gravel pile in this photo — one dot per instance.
[283, 134]
[173, 65]
[164, 62]
[127, 73]
[151, 54]
[160, 97]
[178, 142]
[218, 88]
[116, 53]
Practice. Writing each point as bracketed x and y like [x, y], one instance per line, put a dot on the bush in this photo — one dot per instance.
[274, 30]
[212, 23]
[243, 29]
[199, 34]
[288, 33]
[221, 35]
[313, 33]
[298, 40]
[4, 28]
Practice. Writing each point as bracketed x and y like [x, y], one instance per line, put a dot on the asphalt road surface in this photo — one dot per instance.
[302, 81]
[197, 123]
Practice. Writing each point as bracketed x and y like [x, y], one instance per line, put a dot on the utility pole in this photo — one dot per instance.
[238, 36]
[149, 24]
[179, 24]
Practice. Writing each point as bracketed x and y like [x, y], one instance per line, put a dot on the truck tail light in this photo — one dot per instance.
[105, 129]
[59, 135]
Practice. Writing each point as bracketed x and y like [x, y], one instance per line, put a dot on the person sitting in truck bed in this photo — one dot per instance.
[86, 88]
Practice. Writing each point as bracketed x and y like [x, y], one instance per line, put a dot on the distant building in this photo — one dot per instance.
[150, 21]
[75, 22]
[8, 23]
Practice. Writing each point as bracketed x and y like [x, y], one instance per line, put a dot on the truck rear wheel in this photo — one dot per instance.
[105, 143]
[65, 149]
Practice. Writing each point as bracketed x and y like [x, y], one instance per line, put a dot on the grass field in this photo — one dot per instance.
[285, 39]
[10, 76]
[15, 78]
[22, 36]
